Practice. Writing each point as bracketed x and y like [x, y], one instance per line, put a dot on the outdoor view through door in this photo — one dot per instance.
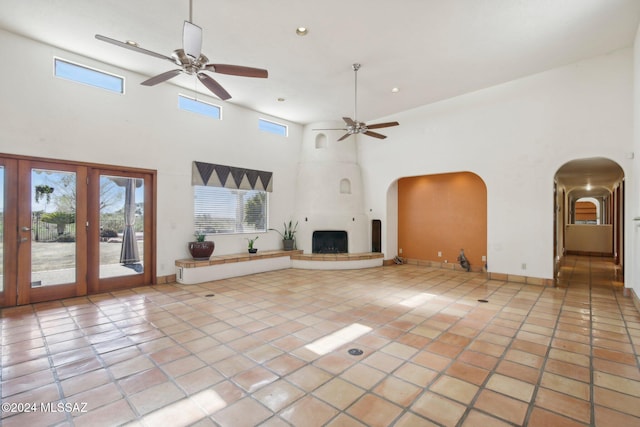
[2, 230]
[121, 226]
[70, 229]
[53, 227]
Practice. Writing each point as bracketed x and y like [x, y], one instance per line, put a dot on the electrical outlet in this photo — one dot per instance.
[484, 258]
[524, 266]
[400, 250]
[439, 253]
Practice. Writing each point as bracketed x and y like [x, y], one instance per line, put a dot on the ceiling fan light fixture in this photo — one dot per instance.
[353, 126]
[302, 31]
[191, 60]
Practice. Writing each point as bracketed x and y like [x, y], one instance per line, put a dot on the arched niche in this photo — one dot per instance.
[434, 227]
[321, 141]
[345, 186]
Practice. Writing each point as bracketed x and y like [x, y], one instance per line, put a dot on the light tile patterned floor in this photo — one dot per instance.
[259, 350]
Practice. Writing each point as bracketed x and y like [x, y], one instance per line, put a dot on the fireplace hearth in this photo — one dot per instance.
[329, 242]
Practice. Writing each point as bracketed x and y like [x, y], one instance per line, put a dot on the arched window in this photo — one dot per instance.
[587, 211]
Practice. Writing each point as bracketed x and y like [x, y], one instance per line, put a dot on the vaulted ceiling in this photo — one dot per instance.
[429, 49]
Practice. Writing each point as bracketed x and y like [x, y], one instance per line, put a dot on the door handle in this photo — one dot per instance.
[26, 229]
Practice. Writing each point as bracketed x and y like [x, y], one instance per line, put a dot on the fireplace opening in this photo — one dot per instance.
[329, 242]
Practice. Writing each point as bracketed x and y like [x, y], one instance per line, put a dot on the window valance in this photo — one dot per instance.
[213, 175]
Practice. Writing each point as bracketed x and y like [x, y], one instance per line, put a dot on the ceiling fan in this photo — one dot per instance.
[353, 126]
[191, 60]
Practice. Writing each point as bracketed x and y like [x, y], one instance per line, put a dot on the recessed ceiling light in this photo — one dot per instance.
[302, 31]
[281, 99]
[395, 90]
[131, 43]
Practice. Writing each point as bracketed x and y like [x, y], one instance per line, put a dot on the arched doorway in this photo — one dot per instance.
[589, 210]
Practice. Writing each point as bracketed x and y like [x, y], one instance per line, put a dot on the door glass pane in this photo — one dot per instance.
[53, 227]
[121, 226]
[1, 228]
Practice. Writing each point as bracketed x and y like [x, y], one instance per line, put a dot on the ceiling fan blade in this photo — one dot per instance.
[375, 134]
[238, 70]
[192, 39]
[133, 47]
[349, 121]
[214, 86]
[161, 78]
[345, 136]
[382, 125]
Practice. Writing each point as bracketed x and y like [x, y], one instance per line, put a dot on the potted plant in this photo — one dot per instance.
[201, 249]
[288, 235]
[252, 250]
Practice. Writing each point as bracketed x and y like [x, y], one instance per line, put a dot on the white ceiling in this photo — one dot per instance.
[430, 49]
[600, 174]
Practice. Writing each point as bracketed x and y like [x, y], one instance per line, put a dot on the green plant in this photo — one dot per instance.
[108, 233]
[289, 232]
[251, 241]
[43, 191]
[65, 238]
[200, 236]
[60, 219]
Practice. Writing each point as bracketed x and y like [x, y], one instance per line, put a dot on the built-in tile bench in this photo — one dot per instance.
[189, 271]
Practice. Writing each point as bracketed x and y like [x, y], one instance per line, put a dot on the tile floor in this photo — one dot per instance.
[272, 349]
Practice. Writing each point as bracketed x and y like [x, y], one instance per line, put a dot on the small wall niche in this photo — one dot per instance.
[345, 186]
[321, 141]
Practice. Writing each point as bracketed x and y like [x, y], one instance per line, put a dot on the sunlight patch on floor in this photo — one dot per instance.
[417, 300]
[332, 341]
[187, 411]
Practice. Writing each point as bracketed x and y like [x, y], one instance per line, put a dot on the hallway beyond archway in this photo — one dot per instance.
[601, 181]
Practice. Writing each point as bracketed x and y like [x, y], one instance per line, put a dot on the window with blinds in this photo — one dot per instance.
[229, 211]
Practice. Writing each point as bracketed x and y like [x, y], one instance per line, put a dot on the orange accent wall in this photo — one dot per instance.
[445, 213]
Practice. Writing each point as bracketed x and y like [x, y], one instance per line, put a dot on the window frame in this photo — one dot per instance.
[239, 228]
[204, 103]
[57, 59]
[273, 124]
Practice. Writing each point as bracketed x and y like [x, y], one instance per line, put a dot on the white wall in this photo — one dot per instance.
[49, 117]
[589, 238]
[514, 136]
[632, 185]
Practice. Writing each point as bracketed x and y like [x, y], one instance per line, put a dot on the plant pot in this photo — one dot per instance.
[201, 250]
[253, 251]
[288, 244]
